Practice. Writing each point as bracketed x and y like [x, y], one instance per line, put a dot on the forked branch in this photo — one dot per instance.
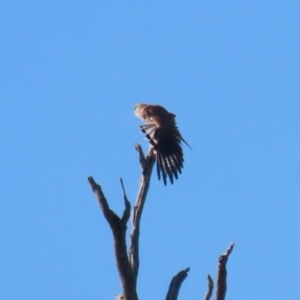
[127, 265]
[222, 277]
[118, 226]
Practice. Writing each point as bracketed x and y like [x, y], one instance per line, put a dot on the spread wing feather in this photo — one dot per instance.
[162, 132]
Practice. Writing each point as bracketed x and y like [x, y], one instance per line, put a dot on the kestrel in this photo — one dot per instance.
[164, 136]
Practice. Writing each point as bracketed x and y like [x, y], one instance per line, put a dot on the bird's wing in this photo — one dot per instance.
[164, 136]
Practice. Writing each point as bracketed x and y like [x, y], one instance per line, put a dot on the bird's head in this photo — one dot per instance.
[139, 110]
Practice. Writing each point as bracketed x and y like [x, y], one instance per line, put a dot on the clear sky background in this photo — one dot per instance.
[70, 75]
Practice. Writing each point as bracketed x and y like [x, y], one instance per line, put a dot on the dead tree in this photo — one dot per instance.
[127, 259]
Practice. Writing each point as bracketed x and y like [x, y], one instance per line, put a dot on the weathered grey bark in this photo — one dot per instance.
[222, 274]
[118, 226]
[128, 260]
[127, 265]
[222, 277]
[176, 284]
[147, 166]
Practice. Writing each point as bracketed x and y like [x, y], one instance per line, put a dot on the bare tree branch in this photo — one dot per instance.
[118, 227]
[126, 214]
[222, 274]
[210, 288]
[176, 284]
[128, 264]
[147, 166]
[139, 149]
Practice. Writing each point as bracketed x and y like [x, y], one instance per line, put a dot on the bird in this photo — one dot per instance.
[164, 136]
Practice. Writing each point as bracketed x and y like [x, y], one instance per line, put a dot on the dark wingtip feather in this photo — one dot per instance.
[169, 170]
[168, 149]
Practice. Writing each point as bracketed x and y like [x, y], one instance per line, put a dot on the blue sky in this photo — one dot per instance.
[70, 75]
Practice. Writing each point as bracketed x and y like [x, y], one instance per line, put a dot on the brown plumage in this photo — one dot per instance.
[164, 136]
